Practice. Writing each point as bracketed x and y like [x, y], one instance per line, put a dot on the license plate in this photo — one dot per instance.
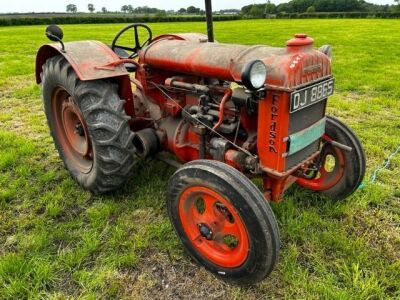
[310, 95]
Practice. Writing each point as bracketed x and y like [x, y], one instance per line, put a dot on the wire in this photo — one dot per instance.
[237, 129]
[385, 165]
[160, 88]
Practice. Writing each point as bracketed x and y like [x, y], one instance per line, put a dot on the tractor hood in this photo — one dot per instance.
[295, 65]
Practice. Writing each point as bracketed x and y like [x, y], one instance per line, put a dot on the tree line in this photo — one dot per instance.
[145, 10]
[312, 6]
[260, 10]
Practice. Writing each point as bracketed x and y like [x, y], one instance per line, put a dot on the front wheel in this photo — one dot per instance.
[223, 221]
[340, 172]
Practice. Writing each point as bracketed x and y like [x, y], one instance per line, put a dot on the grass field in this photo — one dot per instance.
[59, 241]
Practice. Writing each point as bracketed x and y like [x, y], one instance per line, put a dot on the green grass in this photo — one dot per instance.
[59, 241]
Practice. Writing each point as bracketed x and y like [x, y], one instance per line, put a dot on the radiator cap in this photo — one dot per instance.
[300, 39]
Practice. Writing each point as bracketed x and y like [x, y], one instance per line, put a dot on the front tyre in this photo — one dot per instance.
[341, 172]
[89, 126]
[223, 221]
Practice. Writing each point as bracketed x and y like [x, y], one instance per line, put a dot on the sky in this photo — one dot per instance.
[7, 6]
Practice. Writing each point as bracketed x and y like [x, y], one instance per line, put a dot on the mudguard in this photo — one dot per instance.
[86, 57]
[90, 60]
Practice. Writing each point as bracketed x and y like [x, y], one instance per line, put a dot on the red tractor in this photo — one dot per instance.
[229, 112]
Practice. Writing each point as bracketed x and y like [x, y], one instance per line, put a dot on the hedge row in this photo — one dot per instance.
[99, 19]
[13, 21]
[340, 15]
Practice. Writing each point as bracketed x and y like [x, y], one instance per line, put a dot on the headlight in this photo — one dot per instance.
[254, 75]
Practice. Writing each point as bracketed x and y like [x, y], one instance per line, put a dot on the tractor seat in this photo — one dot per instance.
[131, 68]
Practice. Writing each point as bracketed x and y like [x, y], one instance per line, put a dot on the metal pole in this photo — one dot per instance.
[209, 18]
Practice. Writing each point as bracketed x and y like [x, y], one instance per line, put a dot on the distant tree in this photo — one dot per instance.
[246, 9]
[311, 9]
[301, 6]
[145, 10]
[193, 10]
[257, 11]
[283, 8]
[125, 8]
[270, 8]
[335, 6]
[182, 11]
[91, 7]
[71, 8]
[398, 4]
[104, 10]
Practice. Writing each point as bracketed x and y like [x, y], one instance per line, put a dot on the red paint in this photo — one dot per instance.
[221, 217]
[273, 126]
[300, 39]
[112, 65]
[85, 57]
[227, 96]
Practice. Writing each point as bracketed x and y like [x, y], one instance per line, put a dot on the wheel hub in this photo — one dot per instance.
[74, 129]
[79, 129]
[324, 176]
[213, 226]
[205, 232]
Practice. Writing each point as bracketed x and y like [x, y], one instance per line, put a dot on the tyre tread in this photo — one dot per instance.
[95, 96]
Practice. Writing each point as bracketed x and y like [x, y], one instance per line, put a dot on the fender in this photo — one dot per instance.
[88, 59]
[85, 58]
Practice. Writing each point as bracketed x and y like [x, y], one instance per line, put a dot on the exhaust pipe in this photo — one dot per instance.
[209, 18]
[146, 142]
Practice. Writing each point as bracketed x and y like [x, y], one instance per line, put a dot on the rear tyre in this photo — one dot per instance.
[223, 221]
[341, 172]
[89, 126]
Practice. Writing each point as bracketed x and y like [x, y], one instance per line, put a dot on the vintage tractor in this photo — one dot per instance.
[231, 113]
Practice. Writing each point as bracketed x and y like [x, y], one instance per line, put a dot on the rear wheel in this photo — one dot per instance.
[340, 172]
[223, 221]
[89, 127]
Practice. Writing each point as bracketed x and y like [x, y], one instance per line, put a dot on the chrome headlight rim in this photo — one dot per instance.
[248, 74]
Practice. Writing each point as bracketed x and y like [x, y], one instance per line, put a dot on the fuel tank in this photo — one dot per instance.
[294, 65]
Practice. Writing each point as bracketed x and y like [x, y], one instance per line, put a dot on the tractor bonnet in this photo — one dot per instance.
[296, 64]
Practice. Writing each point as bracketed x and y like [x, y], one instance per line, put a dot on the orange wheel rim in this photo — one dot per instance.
[326, 179]
[213, 226]
[71, 130]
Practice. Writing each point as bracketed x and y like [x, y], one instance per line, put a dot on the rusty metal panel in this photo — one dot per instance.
[189, 36]
[85, 58]
[198, 58]
[288, 68]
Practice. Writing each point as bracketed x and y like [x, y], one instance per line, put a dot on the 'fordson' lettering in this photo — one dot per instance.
[272, 127]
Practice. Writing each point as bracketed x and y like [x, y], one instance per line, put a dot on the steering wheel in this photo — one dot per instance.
[138, 45]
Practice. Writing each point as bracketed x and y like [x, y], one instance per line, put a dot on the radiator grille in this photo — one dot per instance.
[299, 121]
